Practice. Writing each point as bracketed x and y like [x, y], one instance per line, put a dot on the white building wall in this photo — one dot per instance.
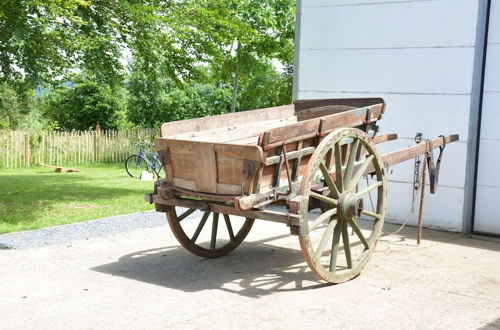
[486, 218]
[419, 56]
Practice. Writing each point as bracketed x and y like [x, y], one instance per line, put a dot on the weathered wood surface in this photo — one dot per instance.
[301, 105]
[411, 152]
[269, 215]
[208, 167]
[309, 128]
[321, 111]
[384, 138]
[223, 154]
[234, 133]
[60, 169]
[174, 128]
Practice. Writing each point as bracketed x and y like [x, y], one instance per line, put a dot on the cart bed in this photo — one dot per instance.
[237, 154]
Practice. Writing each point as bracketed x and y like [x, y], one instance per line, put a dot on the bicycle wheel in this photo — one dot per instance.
[135, 165]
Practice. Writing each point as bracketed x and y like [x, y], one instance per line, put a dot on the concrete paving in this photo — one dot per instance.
[144, 279]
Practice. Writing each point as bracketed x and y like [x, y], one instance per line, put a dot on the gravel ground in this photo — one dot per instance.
[81, 230]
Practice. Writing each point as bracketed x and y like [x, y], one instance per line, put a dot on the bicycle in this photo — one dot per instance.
[136, 164]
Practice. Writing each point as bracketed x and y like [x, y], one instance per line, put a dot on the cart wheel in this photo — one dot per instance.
[350, 151]
[214, 242]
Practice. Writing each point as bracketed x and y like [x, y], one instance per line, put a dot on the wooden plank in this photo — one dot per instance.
[384, 138]
[411, 152]
[308, 128]
[269, 215]
[200, 124]
[301, 105]
[205, 167]
[184, 183]
[352, 118]
[321, 111]
[302, 128]
[60, 169]
[238, 151]
[234, 132]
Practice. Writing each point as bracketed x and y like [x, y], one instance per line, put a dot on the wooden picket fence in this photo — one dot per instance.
[23, 148]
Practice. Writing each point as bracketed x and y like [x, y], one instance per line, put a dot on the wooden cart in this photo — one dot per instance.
[301, 164]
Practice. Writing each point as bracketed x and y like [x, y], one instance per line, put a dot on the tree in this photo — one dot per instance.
[10, 107]
[155, 99]
[84, 105]
[46, 41]
[245, 37]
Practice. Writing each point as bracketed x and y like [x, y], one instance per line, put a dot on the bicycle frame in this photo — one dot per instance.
[143, 155]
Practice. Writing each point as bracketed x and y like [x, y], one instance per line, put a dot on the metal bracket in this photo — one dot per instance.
[434, 166]
[288, 175]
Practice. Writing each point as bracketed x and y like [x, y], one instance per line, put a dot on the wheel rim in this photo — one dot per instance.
[135, 166]
[211, 236]
[351, 241]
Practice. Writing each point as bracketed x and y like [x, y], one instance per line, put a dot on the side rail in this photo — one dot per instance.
[287, 151]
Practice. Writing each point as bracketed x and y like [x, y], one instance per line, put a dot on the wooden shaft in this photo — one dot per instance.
[421, 207]
[402, 155]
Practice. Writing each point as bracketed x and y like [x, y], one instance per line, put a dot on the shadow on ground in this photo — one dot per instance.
[253, 270]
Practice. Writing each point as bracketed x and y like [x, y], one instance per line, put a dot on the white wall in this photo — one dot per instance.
[486, 218]
[418, 56]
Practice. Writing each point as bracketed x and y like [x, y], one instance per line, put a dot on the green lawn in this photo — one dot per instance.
[33, 198]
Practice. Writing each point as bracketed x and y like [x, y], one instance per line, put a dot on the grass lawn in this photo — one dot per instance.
[32, 198]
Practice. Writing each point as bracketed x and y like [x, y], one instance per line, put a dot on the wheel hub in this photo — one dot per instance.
[350, 205]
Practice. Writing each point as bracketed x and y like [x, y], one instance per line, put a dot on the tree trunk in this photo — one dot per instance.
[234, 97]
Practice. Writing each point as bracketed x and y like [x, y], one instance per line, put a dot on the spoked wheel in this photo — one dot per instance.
[205, 237]
[135, 166]
[332, 178]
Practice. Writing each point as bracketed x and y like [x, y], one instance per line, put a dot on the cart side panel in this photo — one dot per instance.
[325, 124]
[300, 139]
[206, 167]
[171, 129]
[301, 105]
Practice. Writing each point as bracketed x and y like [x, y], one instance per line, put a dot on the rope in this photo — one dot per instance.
[415, 188]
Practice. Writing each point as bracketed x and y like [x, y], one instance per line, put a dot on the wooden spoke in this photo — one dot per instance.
[229, 227]
[185, 214]
[322, 217]
[215, 223]
[360, 172]
[200, 226]
[350, 163]
[324, 239]
[338, 167]
[323, 198]
[371, 214]
[368, 189]
[347, 246]
[329, 181]
[335, 245]
[213, 248]
[359, 233]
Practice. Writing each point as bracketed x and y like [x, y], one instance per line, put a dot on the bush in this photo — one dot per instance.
[85, 104]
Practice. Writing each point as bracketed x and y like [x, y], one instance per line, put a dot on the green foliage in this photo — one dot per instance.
[10, 107]
[192, 58]
[84, 105]
[268, 89]
[155, 101]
